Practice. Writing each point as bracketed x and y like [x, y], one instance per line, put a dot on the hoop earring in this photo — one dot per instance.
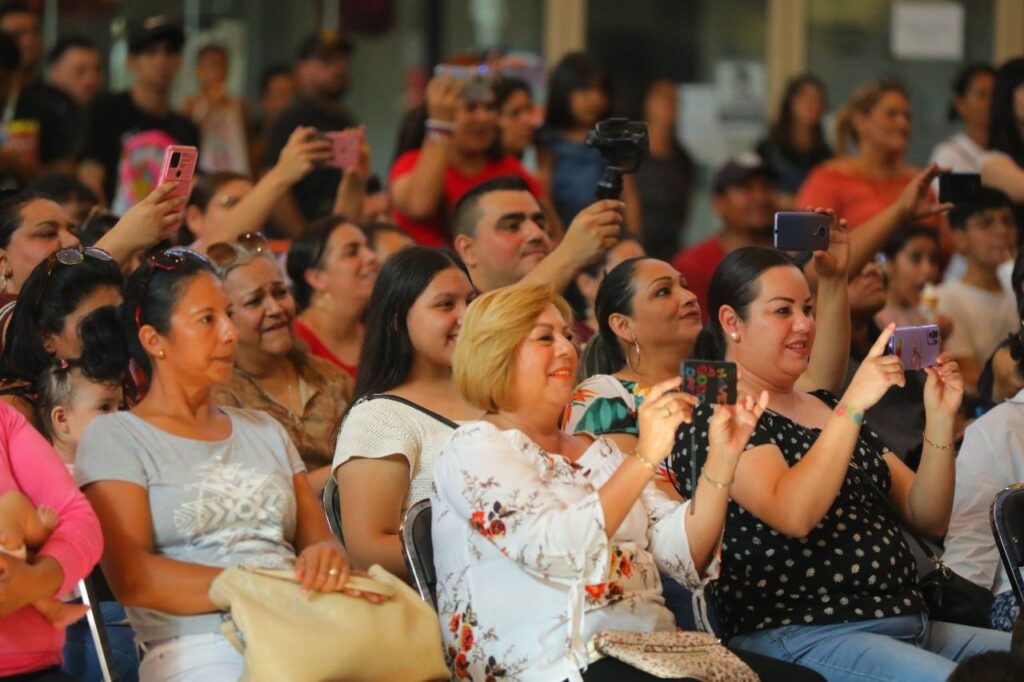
[636, 346]
[3, 281]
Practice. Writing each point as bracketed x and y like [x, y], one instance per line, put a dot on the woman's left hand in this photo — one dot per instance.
[324, 567]
[835, 261]
[944, 388]
[22, 583]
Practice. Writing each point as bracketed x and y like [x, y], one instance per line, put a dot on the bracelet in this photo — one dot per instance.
[717, 484]
[438, 124]
[948, 446]
[441, 136]
[651, 467]
[842, 410]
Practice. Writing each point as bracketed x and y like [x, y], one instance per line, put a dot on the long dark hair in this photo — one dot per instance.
[736, 284]
[307, 251]
[781, 132]
[387, 355]
[603, 354]
[575, 71]
[963, 83]
[1004, 133]
[43, 304]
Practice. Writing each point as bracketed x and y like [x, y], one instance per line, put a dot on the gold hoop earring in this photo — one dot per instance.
[636, 346]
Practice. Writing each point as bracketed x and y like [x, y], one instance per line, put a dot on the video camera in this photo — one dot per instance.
[623, 144]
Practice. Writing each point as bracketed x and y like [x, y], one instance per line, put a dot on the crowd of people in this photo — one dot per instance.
[184, 369]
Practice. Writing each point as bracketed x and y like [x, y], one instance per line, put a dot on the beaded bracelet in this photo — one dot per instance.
[948, 446]
[842, 410]
[651, 466]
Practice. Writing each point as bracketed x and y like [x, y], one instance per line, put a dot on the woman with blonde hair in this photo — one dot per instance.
[543, 538]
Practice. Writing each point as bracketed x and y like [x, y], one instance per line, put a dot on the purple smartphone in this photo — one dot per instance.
[917, 347]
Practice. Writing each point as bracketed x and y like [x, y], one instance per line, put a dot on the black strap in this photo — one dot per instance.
[430, 413]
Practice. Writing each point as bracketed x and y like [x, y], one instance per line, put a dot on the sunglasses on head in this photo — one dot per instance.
[71, 255]
[167, 260]
[226, 255]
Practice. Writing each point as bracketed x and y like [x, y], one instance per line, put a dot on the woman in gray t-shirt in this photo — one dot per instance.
[184, 489]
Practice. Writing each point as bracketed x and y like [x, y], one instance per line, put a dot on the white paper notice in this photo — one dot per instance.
[927, 30]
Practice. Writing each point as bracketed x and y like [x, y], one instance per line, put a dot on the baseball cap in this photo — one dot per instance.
[739, 169]
[324, 44]
[154, 30]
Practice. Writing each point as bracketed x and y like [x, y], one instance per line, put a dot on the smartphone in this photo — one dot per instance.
[345, 147]
[959, 188]
[801, 231]
[179, 165]
[478, 79]
[916, 347]
[711, 381]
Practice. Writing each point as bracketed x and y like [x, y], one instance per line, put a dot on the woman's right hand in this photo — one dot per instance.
[443, 95]
[659, 417]
[731, 425]
[303, 152]
[916, 201]
[877, 373]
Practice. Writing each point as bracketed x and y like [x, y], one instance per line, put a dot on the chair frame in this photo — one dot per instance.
[1009, 543]
[332, 510]
[92, 593]
[425, 585]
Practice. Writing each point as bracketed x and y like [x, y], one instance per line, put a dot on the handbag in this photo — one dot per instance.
[949, 597]
[284, 635]
[674, 654]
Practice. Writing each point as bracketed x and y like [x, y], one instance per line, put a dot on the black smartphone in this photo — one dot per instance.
[801, 231]
[711, 381]
[959, 188]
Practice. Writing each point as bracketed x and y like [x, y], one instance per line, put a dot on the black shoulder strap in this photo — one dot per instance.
[430, 413]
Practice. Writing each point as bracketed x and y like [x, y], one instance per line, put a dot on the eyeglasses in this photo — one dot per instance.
[226, 255]
[71, 255]
[167, 260]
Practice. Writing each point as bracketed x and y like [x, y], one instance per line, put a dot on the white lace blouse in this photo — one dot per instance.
[525, 573]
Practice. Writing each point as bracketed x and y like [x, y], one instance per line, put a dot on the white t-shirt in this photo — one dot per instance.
[981, 319]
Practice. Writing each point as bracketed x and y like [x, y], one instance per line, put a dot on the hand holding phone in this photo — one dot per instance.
[959, 188]
[916, 347]
[709, 380]
[179, 166]
[477, 79]
[344, 147]
[801, 231]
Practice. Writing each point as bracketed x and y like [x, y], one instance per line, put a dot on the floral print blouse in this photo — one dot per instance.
[525, 573]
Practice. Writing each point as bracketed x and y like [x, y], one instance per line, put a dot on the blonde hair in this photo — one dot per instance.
[494, 326]
[862, 101]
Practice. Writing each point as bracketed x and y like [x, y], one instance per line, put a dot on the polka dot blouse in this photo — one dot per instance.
[854, 565]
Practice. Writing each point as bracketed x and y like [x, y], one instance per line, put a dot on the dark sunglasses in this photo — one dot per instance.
[226, 255]
[167, 260]
[71, 255]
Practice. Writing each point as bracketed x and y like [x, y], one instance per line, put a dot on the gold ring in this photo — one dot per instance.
[332, 572]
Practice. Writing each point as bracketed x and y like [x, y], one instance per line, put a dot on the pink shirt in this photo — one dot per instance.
[28, 464]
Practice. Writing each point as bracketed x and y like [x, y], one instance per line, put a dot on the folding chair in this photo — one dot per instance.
[1007, 517]
[332, 508]
[418, 547]
[93, 590]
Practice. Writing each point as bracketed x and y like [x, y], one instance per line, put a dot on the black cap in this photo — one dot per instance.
[325, 44]
[739, 169]
[155, 30]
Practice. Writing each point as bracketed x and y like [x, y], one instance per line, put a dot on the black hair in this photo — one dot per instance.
[11, 205]
[373, 229]
[64, 45]
[374, 184]
[465, 216]
[781, 132]
[735, 283]
[412, 130]
[1004, 133]
[989, 198]
[575, 71]
[307, 251]
[104, 360]
[16, 7]
[212, 47]
[163, 292]
[387, 355]
[271, 72]
[1017, 281]
[203, 191]
[63, 187]
[10, 55]
[506, 86]
[991, 666]
[900, 237]
[96, 227]
[603, 354]
[963, 83]
[24, 355]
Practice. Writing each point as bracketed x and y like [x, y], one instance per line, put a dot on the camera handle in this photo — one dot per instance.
[610, 185]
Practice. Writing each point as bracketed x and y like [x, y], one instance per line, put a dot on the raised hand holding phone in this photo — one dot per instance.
[179, 166]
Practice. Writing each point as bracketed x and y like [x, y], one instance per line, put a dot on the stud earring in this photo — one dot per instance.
[734, 336]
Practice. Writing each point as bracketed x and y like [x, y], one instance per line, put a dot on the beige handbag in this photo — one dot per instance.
[286, 636]
[674, 654]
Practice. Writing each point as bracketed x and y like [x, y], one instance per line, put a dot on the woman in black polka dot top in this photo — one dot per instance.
[814, 568]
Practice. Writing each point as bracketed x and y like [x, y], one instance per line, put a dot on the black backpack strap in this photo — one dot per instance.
[430, 413]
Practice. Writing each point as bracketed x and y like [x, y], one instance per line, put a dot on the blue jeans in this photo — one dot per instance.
[901, 649]
[80, 657]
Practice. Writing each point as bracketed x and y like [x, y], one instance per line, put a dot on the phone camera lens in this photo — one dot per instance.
[175, 159]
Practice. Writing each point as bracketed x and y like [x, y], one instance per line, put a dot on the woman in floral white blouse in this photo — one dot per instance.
[543, 538]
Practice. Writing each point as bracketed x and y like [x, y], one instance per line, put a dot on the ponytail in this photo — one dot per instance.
[600, 357]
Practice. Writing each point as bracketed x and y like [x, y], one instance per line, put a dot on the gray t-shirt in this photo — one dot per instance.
[216, 503]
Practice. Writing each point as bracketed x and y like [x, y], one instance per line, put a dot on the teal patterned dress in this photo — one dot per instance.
[604, 404]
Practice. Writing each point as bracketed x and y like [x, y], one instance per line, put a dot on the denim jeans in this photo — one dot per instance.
[80, 658]
[901, 649]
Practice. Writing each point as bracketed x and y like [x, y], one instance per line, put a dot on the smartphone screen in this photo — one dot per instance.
[711, 381]
[801, 231]
[179, 165]
[959, 188]
[916, 347]
[345, 148]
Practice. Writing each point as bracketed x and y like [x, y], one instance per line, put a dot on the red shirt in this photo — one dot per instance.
[697, 264]
[433, 231]
[850, 195]
[319, 349]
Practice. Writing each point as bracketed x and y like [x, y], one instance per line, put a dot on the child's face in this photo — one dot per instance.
[914, 266]
[90, 401]
[989, 238]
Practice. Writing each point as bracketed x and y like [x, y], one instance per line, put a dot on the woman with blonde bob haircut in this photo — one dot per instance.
[535, 529]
